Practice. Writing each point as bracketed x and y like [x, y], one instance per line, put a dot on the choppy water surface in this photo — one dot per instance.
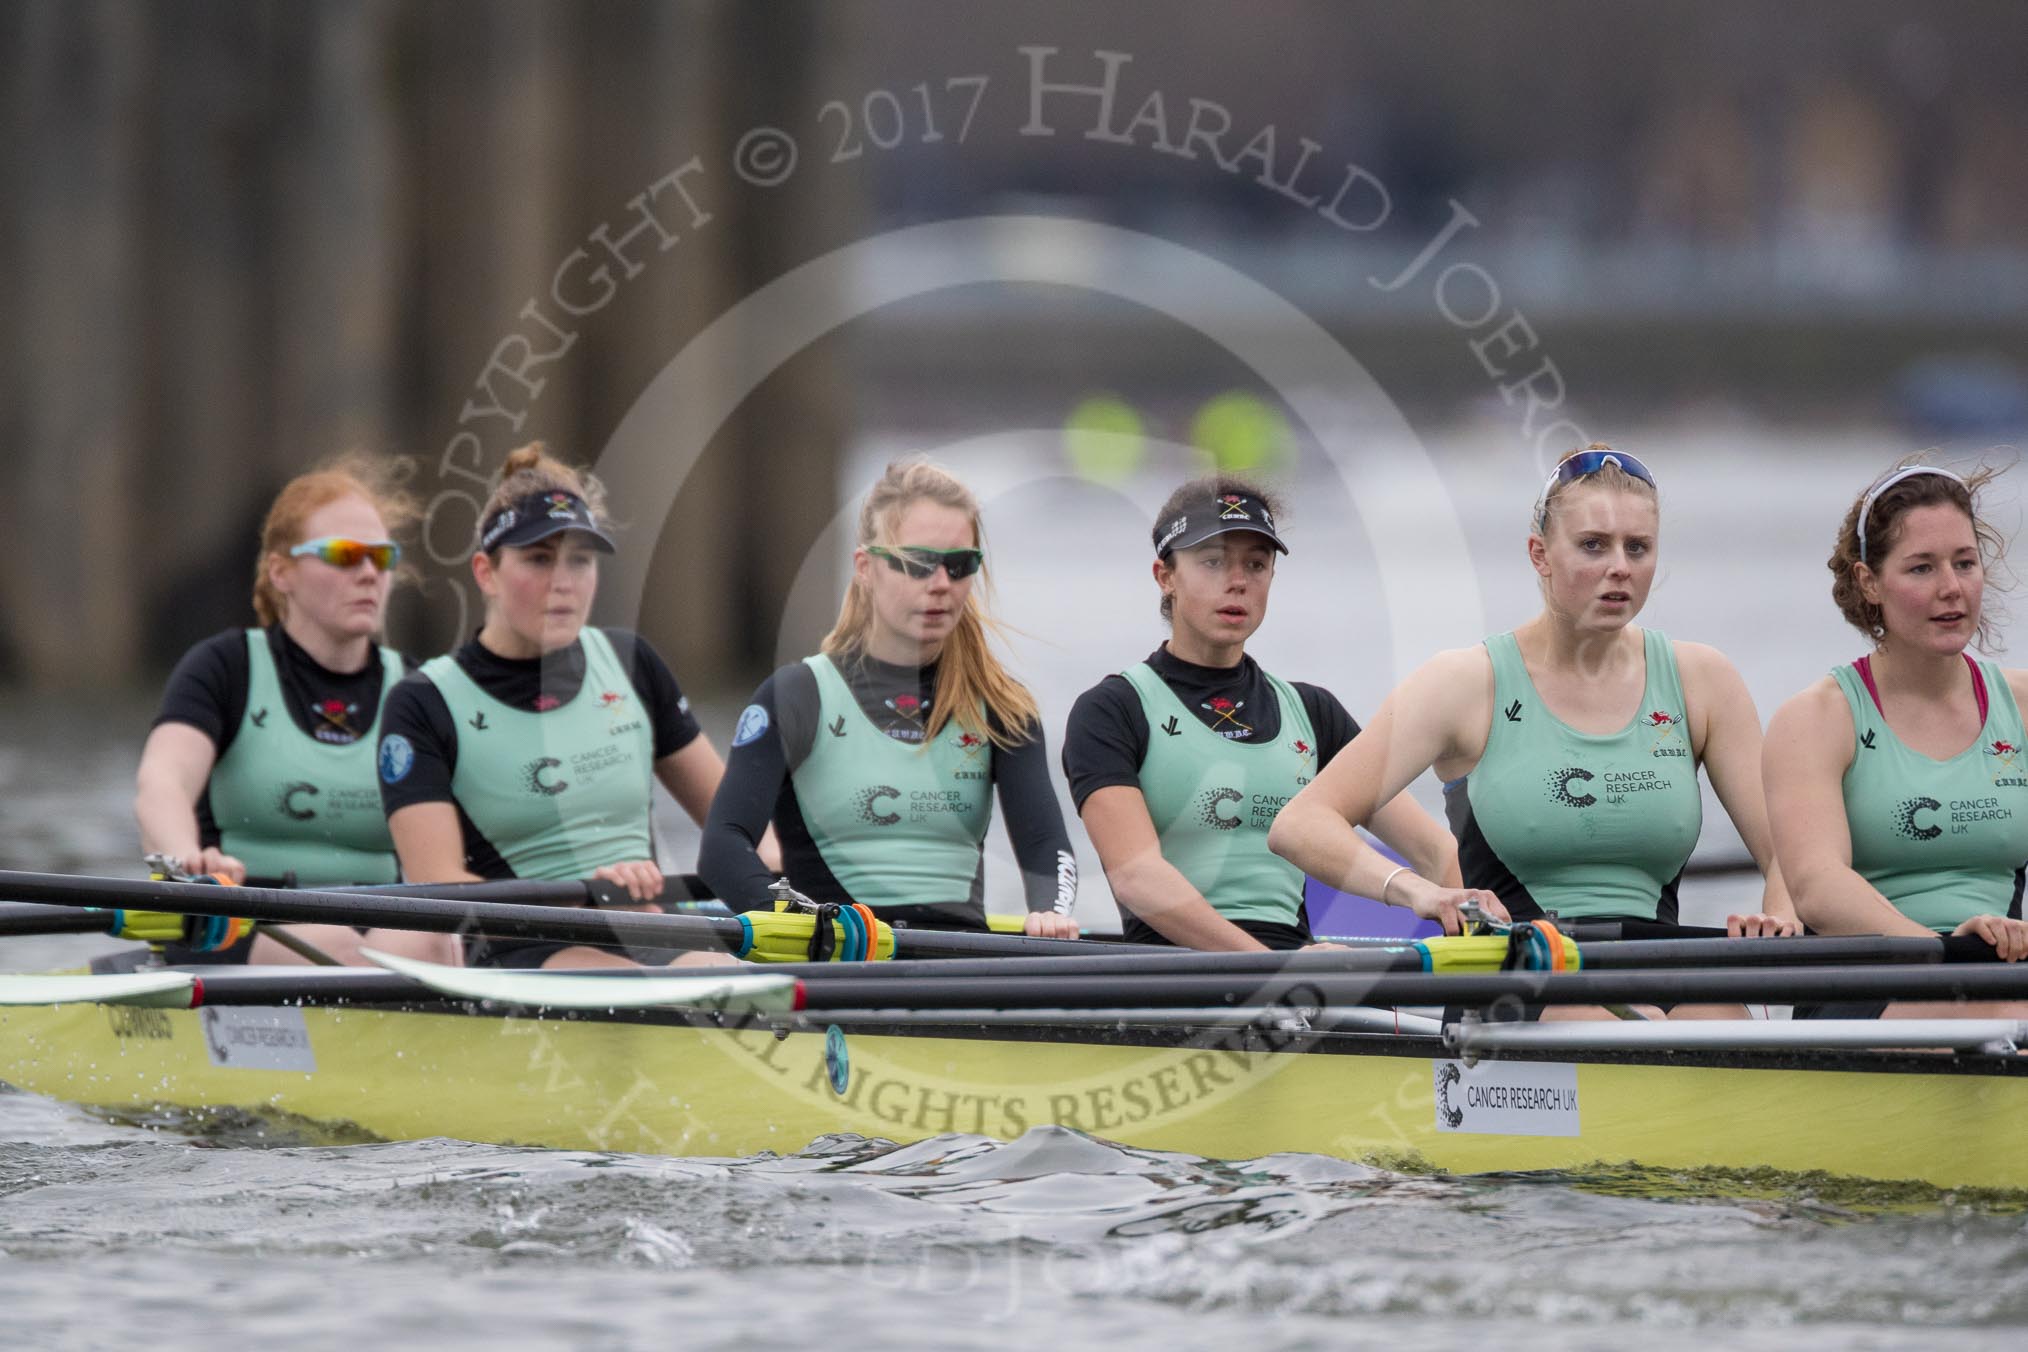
[110, 1233]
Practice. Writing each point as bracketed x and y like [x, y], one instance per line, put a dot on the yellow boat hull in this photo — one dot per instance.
[685, 1089]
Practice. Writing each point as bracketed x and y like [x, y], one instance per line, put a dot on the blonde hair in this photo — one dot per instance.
[532, 469]
[971, 682]
[353, 474]
[1608, 475]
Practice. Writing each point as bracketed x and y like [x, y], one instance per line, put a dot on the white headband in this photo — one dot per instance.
[1873, 496]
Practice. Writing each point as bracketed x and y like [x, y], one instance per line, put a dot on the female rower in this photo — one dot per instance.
[1568, 747]
[1899, 781]
[877, 758]
[1180, 763]
[261, 759]
[531, 751]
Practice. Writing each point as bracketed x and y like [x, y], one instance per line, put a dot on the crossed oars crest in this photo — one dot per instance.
[1227, 711]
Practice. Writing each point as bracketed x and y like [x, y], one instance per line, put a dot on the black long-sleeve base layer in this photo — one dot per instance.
[757, 790]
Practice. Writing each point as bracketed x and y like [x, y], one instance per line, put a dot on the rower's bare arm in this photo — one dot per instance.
[1726, 738]
[1149, 885]
[176, 762]
[1808, 749]
[1426, 843]
[692, 775]
[430, 844]
[1438, 715]
[2017, 681]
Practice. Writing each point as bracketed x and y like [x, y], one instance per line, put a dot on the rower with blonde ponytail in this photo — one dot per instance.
[877, 759]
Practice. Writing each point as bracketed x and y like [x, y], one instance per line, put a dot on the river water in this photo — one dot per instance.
[116, 1234]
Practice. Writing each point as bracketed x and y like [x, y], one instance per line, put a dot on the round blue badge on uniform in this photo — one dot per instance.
[397, 758]
[837, 1061]
[753, 721]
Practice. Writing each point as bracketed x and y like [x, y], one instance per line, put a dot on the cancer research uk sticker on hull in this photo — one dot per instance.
[1507, 1098]
[241, 1037]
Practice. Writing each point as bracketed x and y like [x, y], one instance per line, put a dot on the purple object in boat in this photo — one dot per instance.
[1340, 913]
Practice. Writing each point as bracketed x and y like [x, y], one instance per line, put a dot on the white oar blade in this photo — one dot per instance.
[570, 990]
[167, 990]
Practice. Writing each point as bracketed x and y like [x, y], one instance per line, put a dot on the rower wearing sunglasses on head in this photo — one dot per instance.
[1899, 782]
[261, 758]
[1569, 747]
[878, 758]
[532, 751]
[1179, 764]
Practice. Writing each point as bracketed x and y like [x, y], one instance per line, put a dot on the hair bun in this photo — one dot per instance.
[523, 458]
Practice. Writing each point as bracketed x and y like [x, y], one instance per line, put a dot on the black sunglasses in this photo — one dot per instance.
[920, 562]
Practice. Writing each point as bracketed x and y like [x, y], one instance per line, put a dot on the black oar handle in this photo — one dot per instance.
[1856, 948]
[848, 988]
[437, 914]
[524, 891]
[1643, 943]
[29, 919]
[503, 920]
[1782, 985]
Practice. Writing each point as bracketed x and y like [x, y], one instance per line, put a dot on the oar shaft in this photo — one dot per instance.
[1858, 948]
[1104, 960]
[1782, 985]
[1205, 991]
[1145, 960]
[25, 918]
[535, 891]
[499, 920]
[286, 906]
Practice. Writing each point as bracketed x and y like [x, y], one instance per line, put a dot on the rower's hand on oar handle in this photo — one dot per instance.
[1049, 925]
[1443, 905]
[209, 861]
[641, 877]
[2009, 938]
[1760, 926]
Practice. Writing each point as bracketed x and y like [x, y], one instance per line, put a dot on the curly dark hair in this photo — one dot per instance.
[1883, 533]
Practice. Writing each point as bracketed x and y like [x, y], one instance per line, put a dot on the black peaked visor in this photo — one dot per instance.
[1219, 516]
[539, 516]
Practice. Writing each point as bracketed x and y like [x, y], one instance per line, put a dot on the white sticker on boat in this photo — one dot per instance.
[1507, 1098]
[245, 1038]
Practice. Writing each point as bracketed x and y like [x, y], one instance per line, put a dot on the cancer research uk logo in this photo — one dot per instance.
[1506, 1098]
[1210, 801]
[1911, 821]
[536, 776]
[290, 804]
[1559, 785]
[1906, 823]
[868, 801]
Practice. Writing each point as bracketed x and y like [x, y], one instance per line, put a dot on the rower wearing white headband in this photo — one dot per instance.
[1899, 783]
[1569, 746]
